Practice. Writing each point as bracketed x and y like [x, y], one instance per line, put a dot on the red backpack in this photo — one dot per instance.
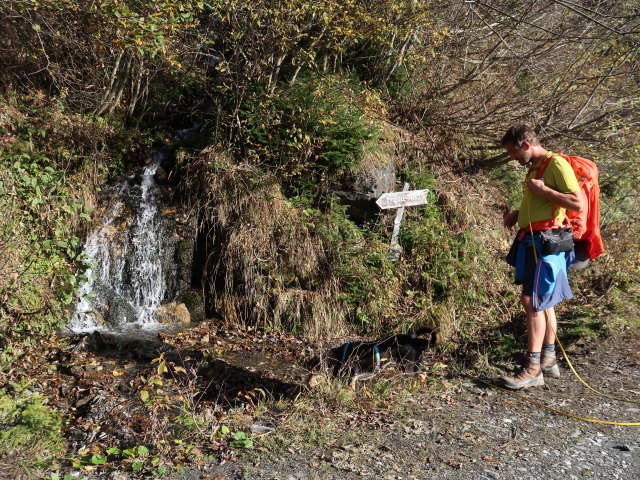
[586, 223]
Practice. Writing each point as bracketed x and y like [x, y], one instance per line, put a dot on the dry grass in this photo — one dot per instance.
[274, 270]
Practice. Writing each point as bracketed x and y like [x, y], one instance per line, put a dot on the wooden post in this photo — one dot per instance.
[399, 200]
[395, 250]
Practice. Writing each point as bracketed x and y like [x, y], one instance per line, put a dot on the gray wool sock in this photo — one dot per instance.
[549, 349]
[534, 358]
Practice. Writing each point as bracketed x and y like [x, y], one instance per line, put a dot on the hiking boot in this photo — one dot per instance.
[527, 377]
[549, 366]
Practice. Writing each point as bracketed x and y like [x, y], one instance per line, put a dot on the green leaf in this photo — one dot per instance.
[144, 395]
[142, 450]
[246, 443]
[98, 460]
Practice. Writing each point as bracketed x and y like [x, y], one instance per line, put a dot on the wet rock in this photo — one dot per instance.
[113, 307]
[91, 342]
[183, 261]
[172, 312]
[194, 302]
[96, 317]
[161, 177]
[138, 178]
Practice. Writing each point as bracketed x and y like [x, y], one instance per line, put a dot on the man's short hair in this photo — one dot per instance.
[518, 134]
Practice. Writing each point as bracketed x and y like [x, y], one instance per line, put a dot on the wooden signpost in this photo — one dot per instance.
[399, 200]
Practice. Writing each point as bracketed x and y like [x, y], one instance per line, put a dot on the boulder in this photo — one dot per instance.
[172, 312]
[194, 302]
[361, 188]
[115, 309]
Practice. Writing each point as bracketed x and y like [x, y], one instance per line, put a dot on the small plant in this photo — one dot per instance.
[68, 476]
[136, 459]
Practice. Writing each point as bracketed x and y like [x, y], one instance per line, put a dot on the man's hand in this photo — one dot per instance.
[572, 201]
[537, 186]
[510, 219]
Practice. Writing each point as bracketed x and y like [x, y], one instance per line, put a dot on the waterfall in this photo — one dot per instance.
[130, 258]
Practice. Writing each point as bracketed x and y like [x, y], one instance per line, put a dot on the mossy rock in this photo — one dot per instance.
[184, 250]
[195, 304]
[172, 313]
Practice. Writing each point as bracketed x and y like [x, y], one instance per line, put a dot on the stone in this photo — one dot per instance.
[194, 302]
[96, 318]
[363, 187]
[118, 310]
[183, 262]
[161, 177]
[172, 312]
[255, 428]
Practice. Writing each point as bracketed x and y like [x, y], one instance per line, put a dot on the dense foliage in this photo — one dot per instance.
[295, 97]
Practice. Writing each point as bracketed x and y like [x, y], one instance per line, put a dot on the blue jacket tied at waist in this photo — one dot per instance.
[550, 281]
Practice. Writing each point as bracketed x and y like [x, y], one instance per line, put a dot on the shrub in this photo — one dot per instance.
[313, 129]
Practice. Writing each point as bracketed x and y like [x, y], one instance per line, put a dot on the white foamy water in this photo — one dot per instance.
[125, 281]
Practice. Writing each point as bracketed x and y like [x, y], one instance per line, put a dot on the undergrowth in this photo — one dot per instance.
[30, 433]
[52, 165]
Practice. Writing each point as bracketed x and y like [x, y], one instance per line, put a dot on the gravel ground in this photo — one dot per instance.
[472, 431]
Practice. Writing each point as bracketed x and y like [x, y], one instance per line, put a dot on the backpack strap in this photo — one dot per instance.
[543, 165]
[552, 222]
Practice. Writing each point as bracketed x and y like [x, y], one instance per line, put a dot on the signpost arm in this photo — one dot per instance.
[395, 248]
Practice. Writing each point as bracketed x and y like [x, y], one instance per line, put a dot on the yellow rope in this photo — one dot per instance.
[555, 410]
[566, 357]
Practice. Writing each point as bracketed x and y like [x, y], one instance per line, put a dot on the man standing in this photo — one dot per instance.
[543, 205]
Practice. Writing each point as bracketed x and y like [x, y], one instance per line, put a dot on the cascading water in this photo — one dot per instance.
[130, 254]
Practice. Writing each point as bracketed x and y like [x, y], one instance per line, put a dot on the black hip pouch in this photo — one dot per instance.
[556, 240]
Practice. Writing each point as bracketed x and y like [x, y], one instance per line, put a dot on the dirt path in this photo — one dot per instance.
[461, 429]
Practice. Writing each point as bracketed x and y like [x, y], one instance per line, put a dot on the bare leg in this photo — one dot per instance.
[552, 326]
[536, 325]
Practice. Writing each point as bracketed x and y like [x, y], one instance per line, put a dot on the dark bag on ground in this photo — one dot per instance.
[556, 240]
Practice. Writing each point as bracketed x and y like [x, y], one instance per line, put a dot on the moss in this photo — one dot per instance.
[32, 429]
[195, 304]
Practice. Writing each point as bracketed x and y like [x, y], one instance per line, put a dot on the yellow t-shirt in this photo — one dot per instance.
[559, 176]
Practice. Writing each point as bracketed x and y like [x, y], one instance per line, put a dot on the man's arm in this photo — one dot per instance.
[572, 201]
